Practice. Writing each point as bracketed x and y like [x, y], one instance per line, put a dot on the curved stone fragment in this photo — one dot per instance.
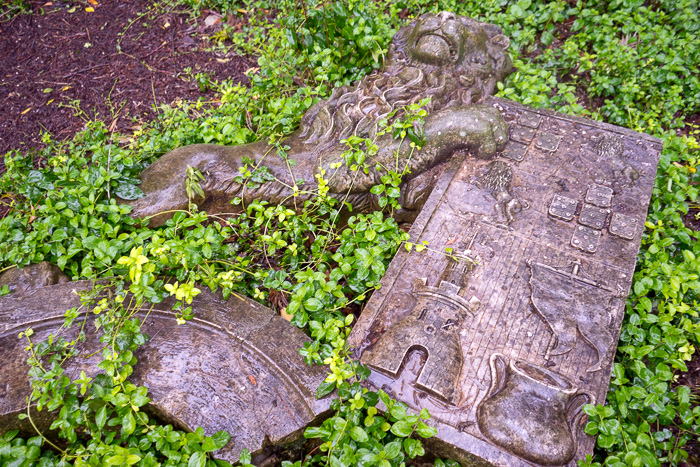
[234, 367]
[32, 277]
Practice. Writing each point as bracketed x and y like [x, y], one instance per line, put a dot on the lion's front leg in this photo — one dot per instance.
[479, 129]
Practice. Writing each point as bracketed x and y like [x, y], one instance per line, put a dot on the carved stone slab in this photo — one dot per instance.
[506, 339]
[235, 367]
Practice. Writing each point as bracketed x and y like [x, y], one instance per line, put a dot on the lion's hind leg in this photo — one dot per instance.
[159, 206]
[164, 182]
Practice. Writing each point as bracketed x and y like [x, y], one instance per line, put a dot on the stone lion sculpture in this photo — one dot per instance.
[456, 61]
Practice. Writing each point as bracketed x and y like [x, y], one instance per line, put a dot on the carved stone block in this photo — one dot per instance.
[530, 119]
[524, 318]
[585, 239]
[593, 216]
[599, 195]
[547, 142]
[563, 208]
[522, 134]
[624, 226]
[515, 151]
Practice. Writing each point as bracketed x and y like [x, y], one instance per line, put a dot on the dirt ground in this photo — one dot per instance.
[58, 67]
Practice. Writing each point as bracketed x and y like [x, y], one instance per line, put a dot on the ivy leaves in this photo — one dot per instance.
[660, 332]
[359, 435]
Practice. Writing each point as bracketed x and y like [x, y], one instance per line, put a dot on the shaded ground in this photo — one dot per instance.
[116, 62]
[692, 219]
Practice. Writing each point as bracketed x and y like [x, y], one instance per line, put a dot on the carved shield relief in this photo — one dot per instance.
[516, 328]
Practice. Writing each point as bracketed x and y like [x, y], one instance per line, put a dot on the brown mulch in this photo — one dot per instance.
[692, 219]
[113, 63]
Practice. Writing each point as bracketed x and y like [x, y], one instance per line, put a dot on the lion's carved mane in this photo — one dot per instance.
[404, 80]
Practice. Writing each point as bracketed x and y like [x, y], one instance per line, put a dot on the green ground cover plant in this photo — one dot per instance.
[631, 63]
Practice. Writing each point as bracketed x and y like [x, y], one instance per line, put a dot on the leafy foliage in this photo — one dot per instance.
[65, 212]
[11, 8]
[358, 435]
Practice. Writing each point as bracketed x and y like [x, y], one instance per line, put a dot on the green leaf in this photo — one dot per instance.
[38, 441]
[377, 189]
[128, 424]
[398, 412]
[139, 400]
[385, 398]
[605, 441]
[369, 459]
[127, 191]
[216, 442]
[324, 389]
[402, 429]
[198, 459]
[547, 38]
[114, 460]
[393, 192]
[425, 431]
[101, 416]
[358, 434]
[413, 447]
[316, 432]
[392, 449]
[33, 452]
[245, 457]
[313, 304]
[39, 180]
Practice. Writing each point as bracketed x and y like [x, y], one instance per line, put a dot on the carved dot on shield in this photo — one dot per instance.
[515, 151]
[548, 142]
[593, 216]
[599, 195]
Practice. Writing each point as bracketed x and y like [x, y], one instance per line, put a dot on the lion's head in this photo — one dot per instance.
[454, 60]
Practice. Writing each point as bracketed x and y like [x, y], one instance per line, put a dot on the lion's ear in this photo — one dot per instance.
[500, 41]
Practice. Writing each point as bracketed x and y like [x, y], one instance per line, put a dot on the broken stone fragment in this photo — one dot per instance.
[235, 367]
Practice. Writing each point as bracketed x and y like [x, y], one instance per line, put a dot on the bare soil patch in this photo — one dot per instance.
[58, 68]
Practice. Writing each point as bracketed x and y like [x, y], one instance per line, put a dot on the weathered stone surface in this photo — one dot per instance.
[505, 341]
[234, 367]
[32, 276]
[456, 61]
